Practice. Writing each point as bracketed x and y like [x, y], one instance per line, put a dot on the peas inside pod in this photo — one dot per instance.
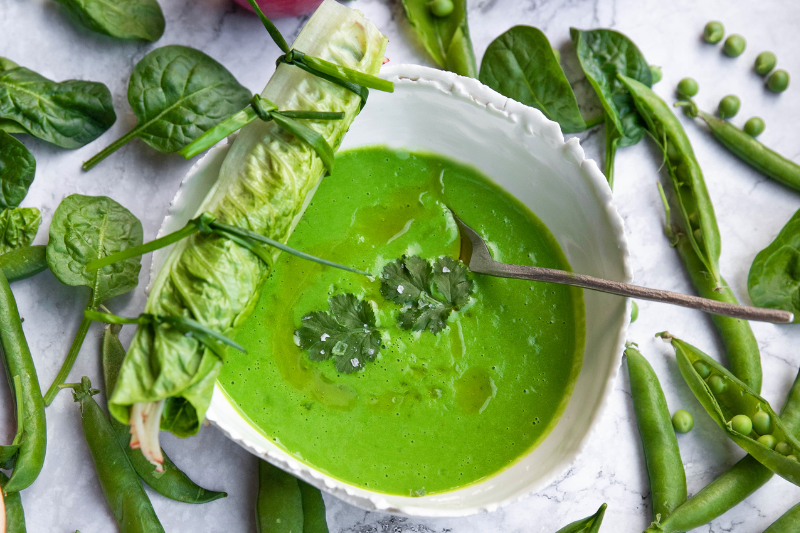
[682, 421]
[734, 45]
[765, 62]
[688, 87]
[729, 106]
[754, 126]
[441, 8]
[778, 81]
[742, 424]
[713, 32]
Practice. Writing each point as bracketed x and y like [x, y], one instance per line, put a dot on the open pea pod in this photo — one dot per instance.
[724, 396]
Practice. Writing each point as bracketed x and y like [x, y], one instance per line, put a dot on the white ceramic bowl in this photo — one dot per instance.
[525, 153]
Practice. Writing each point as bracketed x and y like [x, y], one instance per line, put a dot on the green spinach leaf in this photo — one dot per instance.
[7, 64]
[347, 334]
[521, 65]
[86, 228]
[603, 54]
[428, 293]
[445, 38]
[69, 114]
[590, 524]
[123, 19]
[18, 227]
[17, 168]
[774, 279]
[177, 93]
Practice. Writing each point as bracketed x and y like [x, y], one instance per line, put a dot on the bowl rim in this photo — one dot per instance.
[221, 409]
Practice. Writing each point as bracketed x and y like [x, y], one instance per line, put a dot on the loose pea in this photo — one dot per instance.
[742, 424]
[702, 369]
[441, 8]
[765, 62]
[754, 126]
[634, 312]
[655, 74]
[717, 384]
[687, 87]
[557, 54]
[762, 423]
[713, 32]
[729, 106]
[734, 45]
[792, 457]
[682, 421]
[768, 441]
[778, 81]
[783, 448]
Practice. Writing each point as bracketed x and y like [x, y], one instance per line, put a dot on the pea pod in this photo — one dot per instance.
[124, 493]
[286, 504]
[8, 453]
[18, 362]
[172, 482]
[661, 452]
[590, 524]
[748, 149]
[732, 487]
[15, 515]
[788, 523]
[21, 263]
[726, 404]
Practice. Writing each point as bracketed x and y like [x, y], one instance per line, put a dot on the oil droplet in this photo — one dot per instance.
[474, 389]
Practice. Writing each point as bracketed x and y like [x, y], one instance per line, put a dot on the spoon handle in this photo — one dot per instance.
[634, 291]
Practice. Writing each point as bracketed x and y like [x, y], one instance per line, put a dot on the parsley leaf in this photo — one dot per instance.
[348, 333]
[428, 293]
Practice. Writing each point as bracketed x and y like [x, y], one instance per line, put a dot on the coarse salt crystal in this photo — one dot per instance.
[445, 269]
[324, 337]
[354, 361]
[400, 289]
[371, 351]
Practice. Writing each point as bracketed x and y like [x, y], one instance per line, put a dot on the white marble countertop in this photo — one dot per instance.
[750, 208]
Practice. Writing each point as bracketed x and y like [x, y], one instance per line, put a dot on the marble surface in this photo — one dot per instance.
[751, 210]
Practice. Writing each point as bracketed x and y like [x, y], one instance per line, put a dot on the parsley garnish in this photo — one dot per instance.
[348, 333]
[428, 293]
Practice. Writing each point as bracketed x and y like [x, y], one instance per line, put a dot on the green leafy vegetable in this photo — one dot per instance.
[86, 228]
[177, 93]
[589, 524]
[347, 334]
[603, 54]
[427, 293]
[123, 19]
[445, 38]
[69, 114]
[17, 168]
[18, 227]
[774, 279]
[521, 65]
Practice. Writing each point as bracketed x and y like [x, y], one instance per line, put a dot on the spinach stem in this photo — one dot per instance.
[111, 148]
[83, 329]
[594, 121]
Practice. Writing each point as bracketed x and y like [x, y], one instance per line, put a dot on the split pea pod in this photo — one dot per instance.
[732, 487]
[124, 493]
[696, 234]
[15, 515]
[748, 149]
[662, 455]
[18, 362]
[286, 504]
[172, 482]
[744, 415]
[590, 524]
[21, 263]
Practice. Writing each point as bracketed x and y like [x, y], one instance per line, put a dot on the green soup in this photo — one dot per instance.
[433, 412]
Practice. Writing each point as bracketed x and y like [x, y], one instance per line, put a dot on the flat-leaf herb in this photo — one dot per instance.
[123, 19]
[17, 168]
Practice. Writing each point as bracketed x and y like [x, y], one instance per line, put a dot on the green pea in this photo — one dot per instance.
[768, 441]
[702, 369]
[713, 32]
[717, 384]
[778, 81]
[687, 87]
[729, 106]
[765, 62]
[783, 448]
[734, 45]
[792, 457]
[762, 423]
[634, 312]
[754, 126]
[682, 421]
[655, 74]
[742, 424]
[441, 8]
[557, 54]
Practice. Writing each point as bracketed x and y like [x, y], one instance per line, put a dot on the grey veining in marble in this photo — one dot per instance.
[751, 210]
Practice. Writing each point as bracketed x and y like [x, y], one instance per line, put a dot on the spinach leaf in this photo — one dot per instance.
[347, 334]
[17, 168]
[177, 93]
[123, 19]
[603, 54]
[69, 114]
[521, 65]
[445, 38]
[774, 279]
[86, 228]
[7, 64]
[18, 227]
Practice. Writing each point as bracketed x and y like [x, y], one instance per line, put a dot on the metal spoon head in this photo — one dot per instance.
[473, 252]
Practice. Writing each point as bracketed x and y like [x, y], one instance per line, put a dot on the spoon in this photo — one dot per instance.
[475, 254]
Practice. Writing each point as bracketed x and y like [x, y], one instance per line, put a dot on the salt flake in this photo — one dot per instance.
[324, 337]
[400, 289]
[354, 361]
[445, 270]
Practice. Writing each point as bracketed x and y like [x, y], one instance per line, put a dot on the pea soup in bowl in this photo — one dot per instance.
[426, 390]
